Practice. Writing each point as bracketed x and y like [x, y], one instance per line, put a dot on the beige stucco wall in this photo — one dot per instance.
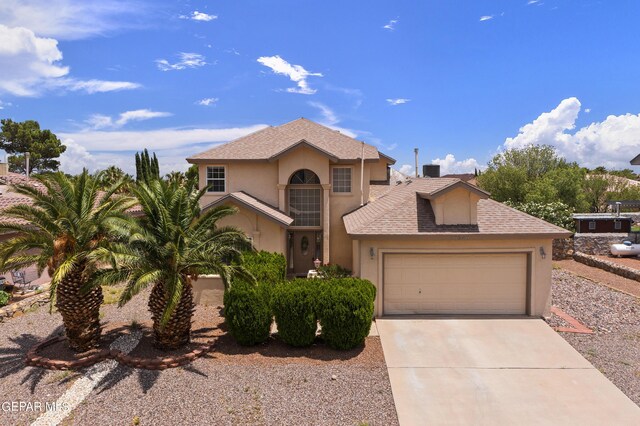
[378, 170]
[456, 207]
[266, 234]
[208, 290]
[540, 273]
[259, 179]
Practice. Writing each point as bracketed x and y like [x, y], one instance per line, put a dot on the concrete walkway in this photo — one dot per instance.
[495, 372]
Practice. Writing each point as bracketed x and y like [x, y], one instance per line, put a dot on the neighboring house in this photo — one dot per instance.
[636, 161]
[602, 223]
[431, 245]
[465, 177]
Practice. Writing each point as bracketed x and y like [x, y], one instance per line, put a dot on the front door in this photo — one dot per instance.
[304, 251]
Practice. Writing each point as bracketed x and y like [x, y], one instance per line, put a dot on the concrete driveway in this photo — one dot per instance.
[495, 372]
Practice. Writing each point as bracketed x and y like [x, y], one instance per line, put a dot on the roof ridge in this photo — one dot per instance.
[401, 193]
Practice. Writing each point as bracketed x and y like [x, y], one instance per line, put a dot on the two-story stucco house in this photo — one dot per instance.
[431, 246]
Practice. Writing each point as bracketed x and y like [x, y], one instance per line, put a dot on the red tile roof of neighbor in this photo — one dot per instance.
[254, 204]
[271, 142]
[406, 211]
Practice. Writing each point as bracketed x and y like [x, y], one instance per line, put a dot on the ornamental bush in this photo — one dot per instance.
[247, 312]
[345, 310]
[266, 267]
[556, 213]
[293, 305]
[4, 298]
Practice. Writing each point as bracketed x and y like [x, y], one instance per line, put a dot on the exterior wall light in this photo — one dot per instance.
[542, 253]
[317, 263]
[372, 252]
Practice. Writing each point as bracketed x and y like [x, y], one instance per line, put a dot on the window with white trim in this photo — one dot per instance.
[216, 179]
[341, 179]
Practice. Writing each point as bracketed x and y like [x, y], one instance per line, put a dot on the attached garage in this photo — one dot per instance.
[461, 283]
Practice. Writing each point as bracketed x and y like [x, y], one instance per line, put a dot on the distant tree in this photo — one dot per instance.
[177, 178]
[553, 212]
[192, 175]
[147, 168]
[113, 174]
[44, 147]
[625, 173]
[596, 191]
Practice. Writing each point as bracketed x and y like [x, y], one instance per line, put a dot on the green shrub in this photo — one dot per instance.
[333, 271]
[4, 298]
[266, 267]
[293, 305]
[247, 312]
[345, 310]
[556, 213]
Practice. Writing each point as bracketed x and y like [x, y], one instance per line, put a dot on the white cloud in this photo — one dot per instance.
[531, 2]
[449, 164]
[3, 105]
[587, 110]
[99, 121]
[207, 101]
[71, 19]
[610, 143]
[296, 73]
[169, 138]
[30, 64]
[391, 25]
[331, 119]
[397, 101]
[406, 169]
[486, 18]
[76, 157]
[201, 16]
[187, 60]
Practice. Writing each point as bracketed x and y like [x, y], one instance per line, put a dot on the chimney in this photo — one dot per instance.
[431, 170]
[415, 151]
[4, 169]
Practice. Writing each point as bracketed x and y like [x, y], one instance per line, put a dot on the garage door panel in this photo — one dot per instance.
[455, 283]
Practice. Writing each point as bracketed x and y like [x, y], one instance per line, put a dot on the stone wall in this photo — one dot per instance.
[19, 308]
[598, 244]
[562, 248]
[623, 271]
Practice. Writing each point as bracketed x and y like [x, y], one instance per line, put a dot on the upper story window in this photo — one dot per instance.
[341, 179]
[216, 179]
[304, 177]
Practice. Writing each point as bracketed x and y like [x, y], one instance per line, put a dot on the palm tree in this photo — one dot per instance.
[172, 244]
[113, 174]
[65, 228]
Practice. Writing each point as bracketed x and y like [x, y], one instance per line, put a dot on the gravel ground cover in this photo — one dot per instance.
[614, 348]
[269, 384]
[601, 276]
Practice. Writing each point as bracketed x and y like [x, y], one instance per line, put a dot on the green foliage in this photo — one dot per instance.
[267, 268]
[247, 312]
[294, 308]
[332, 270]
[4, 298]
[147, 168]
[554, 212]
[345, 310]
[44, 147]
[112, 175]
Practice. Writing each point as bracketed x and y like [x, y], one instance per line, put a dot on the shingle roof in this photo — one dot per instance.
[254, 204]
[404, 211]
[269, 143]
[636, 160]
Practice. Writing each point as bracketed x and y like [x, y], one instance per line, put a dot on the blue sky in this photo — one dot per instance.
[460, 80]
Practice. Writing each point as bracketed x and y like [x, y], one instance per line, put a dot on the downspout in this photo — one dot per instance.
[362, 177]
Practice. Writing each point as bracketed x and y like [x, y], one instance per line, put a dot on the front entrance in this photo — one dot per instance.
[304, 248]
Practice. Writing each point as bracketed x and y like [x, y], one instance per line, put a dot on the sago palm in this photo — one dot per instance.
[65, 228]
[174, 243]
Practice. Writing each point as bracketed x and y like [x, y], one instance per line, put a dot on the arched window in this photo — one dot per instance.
[305, 201]
[304, 177]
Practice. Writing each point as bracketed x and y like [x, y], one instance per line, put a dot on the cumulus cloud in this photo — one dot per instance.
[99, 121]
[449, 164]
[187, 60]
[207, 101]
[391, 25]
[296, 73]
[406, 169]
[76, 157]
[397, 101]
[199, 16]
[30, 64]
[71, 19]
[486, 18]
[610, 143]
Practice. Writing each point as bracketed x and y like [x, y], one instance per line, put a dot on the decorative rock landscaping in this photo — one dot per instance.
[607, 265]
[24, 305]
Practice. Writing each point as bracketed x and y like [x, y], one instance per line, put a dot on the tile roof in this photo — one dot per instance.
[404, 211]
[254, 204]
[16, 178]
[10, 200]
[269, 143]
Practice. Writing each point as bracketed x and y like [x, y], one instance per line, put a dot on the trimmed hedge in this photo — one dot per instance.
[293, 305]
[345, 310]
[4, 298]
[266, 267]
[247, 313]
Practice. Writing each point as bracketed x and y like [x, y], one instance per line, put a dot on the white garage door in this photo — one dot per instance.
[493, 283]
